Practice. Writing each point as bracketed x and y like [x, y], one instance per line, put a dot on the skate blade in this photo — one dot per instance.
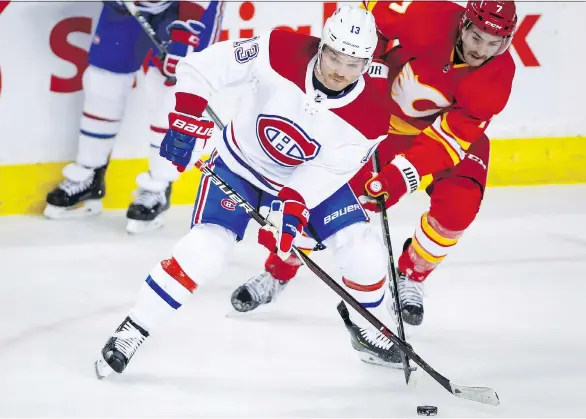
[139, 226]
[102, 368]
[83, 209]
[243, 308]
[373, 360]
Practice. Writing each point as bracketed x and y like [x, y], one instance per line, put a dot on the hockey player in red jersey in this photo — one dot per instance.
[449, 74]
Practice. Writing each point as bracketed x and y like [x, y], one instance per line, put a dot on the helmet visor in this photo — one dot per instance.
[342, 64]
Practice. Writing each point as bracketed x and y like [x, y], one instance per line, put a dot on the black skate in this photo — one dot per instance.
[372, 346]
[146, 212]
[120, 348]
[260, 289]
[79, 195]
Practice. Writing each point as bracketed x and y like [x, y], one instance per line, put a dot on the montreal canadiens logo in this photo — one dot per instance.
[284, 141]
[228, 204]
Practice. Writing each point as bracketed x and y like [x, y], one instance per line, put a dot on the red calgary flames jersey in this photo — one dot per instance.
[447, 106]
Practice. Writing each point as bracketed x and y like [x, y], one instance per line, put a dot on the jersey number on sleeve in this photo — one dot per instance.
[245, 50]
[400, 6]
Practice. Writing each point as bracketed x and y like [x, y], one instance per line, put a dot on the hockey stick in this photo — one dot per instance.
[384, 219]
[163, 51]
[478, 394]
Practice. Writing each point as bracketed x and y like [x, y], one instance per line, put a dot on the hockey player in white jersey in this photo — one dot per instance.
[118, 49]
[310, 120]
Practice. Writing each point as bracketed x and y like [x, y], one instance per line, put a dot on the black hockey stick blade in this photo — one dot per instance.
[344, 314]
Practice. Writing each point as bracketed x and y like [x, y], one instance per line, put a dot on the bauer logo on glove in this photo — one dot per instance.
[185, 140]
[193, 128]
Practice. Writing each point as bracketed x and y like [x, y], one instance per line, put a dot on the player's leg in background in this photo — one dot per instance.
[153, 195]
[113, 60]
[456, 196]
[196, 259]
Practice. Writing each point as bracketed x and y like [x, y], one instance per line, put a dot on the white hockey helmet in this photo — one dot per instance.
[351, 31]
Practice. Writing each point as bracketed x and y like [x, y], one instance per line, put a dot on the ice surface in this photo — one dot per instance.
[505, 310]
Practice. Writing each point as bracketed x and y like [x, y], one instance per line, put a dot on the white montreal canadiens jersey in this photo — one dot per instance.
[285, 133]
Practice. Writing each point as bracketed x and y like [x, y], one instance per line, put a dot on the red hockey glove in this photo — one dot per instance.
[394, 181]
[288, 215]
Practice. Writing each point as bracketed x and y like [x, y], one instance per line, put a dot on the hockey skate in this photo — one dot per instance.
[260, 289]
[120, 348]
[372, 346]
[79, 195]
[152, 199]
[411, 296]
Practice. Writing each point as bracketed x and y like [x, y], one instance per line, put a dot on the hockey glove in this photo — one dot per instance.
[184, 38]
[288, 215]
[185, 140]
[394, 180]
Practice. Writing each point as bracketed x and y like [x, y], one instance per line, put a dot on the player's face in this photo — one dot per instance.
[479, 46]
[339, 70]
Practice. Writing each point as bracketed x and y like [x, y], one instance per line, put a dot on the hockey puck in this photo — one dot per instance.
[427, 410]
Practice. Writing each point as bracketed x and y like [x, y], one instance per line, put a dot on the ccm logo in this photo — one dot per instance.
[494, 25]
[192, 128]
[477, 160]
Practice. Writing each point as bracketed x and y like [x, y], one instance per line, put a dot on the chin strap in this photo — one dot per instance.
[318, 62]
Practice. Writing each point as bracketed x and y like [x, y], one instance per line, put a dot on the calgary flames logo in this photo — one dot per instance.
[407, 91]
[284, 141]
